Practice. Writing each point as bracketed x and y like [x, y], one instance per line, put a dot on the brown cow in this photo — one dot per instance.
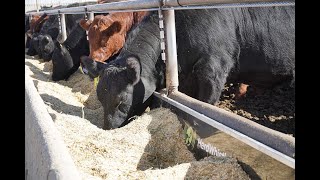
[107, 34]
[36, 23]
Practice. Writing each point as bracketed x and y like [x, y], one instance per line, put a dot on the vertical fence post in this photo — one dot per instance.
[37, 5]
[63, 27]
[91, 17]
[30, 17]
[172, 81]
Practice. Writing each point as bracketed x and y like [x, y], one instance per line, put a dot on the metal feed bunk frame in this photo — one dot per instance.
[273, 143]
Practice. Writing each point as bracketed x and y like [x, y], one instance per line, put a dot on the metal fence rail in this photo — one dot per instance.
[142, 5]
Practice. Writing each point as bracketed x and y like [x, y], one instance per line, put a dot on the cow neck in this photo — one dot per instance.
[39, 22]
[138, 17]
[74, 37]
[143, 42]
[52, 22]
[146, 37]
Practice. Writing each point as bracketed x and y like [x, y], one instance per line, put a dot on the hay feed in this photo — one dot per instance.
[150, 147]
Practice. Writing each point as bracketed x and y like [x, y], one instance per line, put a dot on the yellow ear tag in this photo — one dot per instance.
[81, 69]
[95, 81]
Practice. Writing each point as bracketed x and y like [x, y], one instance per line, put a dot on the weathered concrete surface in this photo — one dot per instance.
[46, 156]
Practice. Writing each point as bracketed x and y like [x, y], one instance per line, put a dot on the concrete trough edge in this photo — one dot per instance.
[46, 155]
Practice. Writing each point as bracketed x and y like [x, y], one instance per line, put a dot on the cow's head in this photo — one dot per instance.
[106, 37]
[34, 45]
[36, 23]
[46, 46]
[33, 24]
[62, 62]
[119, 90]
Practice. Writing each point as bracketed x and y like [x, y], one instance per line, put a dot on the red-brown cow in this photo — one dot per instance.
[107, 34]
[36, 23]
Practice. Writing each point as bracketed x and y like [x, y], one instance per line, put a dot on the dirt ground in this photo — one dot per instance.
[273, 107]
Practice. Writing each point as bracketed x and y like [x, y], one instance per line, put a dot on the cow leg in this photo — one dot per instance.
[211, 75]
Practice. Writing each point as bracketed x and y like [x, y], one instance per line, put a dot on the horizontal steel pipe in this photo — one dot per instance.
[112, 6]
[279, 156]
[274, 139]
[174, 3]
[134, 5]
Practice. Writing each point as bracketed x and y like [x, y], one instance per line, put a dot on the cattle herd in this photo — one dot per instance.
[251, 46]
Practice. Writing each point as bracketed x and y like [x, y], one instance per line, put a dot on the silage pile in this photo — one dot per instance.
[150, 147]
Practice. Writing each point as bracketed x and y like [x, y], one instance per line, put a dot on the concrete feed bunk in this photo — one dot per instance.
[152, 146]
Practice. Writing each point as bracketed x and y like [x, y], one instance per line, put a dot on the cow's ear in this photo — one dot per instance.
[85, 24]
[115, 27]
[94, 68]
[133, 70]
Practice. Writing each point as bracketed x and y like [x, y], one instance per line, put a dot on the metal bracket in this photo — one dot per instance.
[86, 17]
[59, 21]
[162, 36]
[164, 92]
[86, 13]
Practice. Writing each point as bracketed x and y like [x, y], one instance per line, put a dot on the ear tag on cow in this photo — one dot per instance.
[95, 82]
[81, 69]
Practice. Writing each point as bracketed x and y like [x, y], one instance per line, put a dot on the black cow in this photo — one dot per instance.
[33, 34]
[50, 31]
[47, 46]
[47, 43]
[26, 28]
[26, 23]
[66, 56]
[254, 45]
[34, 45]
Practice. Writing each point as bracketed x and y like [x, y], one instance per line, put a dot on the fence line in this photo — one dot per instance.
[54, 3]
[143, 5]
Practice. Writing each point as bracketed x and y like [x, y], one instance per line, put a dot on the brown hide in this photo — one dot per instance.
[107, 34]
